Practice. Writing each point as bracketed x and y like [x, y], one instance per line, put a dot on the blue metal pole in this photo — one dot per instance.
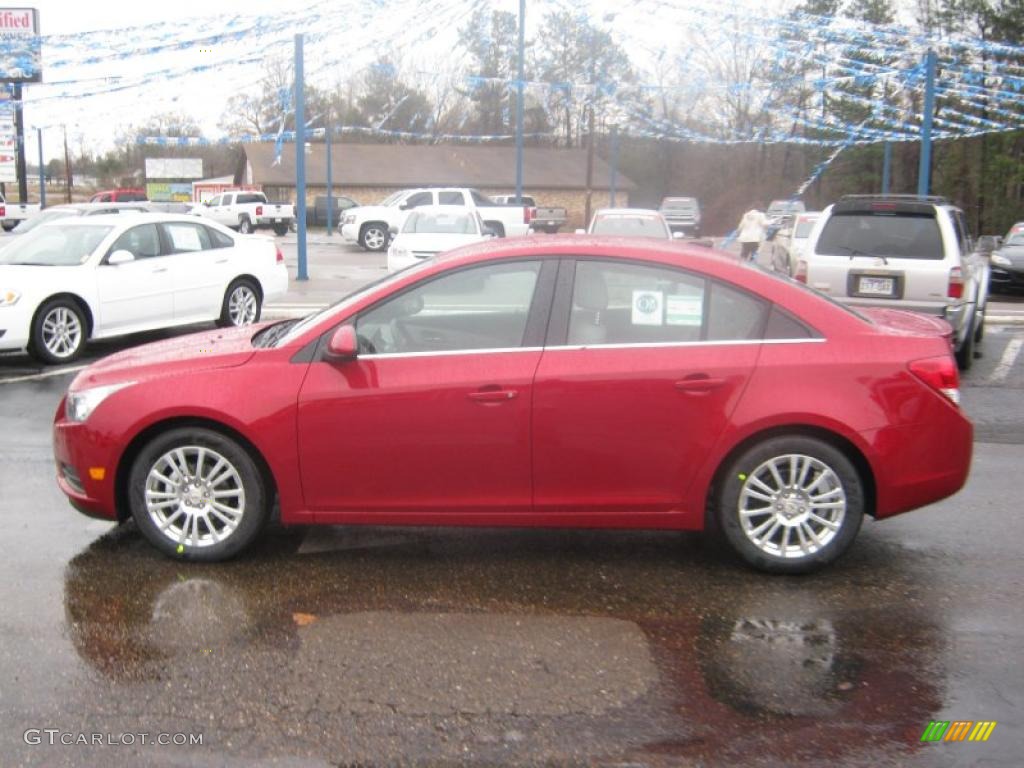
[615, 162]
[886, 167]
[42, 172]
[924, 169]
[519, 100]
[330, 178]
[300, 159]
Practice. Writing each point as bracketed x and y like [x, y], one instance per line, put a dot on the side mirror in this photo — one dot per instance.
[677, 235]
[393, 230]
[344, 345]
[403, 207]
[120, 257]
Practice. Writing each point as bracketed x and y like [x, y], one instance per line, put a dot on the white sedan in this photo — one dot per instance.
[430, 230]
[94, 277]
[631, 222]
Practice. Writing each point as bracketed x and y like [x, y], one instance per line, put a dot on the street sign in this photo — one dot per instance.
[8, 136]
[20, 46]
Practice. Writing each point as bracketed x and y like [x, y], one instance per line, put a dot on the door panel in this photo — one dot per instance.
[626, 428]
[200, 271]
[437, 433]
[138, 293]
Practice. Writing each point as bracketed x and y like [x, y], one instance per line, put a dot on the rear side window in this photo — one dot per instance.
[893, 235]
[246, 199]
[782, 325]
[449, 198]
[219, 239]
[186, 237]
[734, 315]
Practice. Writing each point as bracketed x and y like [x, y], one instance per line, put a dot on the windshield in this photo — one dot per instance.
[337, 307]
[420, 222]
[1016, 240]
[630, 226]
[390, 199]
[55, 245]
[41, 218]
[901, 235]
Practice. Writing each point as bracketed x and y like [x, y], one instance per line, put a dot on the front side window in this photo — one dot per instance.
[472, 309]
[420, 198]
[143, 242]
[187, 237]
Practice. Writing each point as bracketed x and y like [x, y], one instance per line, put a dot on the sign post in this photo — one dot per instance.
[20, 63]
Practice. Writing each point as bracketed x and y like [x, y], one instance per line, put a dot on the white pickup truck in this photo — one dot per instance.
[369, 225]
[247, 212]
[12, 214]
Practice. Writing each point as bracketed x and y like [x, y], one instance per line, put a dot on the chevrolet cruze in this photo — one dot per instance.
[562, 382]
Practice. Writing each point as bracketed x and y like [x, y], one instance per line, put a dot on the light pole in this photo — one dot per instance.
[42, 173]
[614, 158]
[519, 103]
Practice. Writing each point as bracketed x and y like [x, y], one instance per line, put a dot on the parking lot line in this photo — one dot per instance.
[1007, 361]
[44, 375]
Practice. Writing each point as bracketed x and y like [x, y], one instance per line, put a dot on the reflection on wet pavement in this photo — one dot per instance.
[498, 646]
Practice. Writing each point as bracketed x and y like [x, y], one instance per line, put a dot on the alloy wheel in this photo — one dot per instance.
[61, 332]
[242, 305]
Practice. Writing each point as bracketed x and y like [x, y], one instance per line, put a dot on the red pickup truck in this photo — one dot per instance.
[119, 196]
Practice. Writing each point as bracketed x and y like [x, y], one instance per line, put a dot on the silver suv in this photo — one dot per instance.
[682, 214]
[901, 252]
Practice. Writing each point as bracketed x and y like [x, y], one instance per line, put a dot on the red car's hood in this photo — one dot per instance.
[903, 323]
[198, 351]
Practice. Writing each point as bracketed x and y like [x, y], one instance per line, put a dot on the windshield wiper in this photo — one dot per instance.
[855, 252]
[272, 333]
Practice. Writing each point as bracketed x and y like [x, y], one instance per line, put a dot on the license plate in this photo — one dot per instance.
[877, 286]
[277, 221]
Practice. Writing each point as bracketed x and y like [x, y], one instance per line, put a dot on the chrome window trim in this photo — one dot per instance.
[573, 347]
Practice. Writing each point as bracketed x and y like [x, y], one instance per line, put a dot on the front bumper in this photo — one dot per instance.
[350, 233]
[80, 455]
[1006, 277]
[15, 326]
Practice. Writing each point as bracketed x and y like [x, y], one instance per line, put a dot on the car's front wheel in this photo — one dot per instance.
[58, 332]
[790, 504]
[197, 494]
[374, 237]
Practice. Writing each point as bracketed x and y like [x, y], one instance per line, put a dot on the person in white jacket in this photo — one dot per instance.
[751, 232]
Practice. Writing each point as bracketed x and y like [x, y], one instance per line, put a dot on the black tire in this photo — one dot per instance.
[979, 332]
[497, 226]
[965, 355]
[195, 530]
[9, 225]
[374, 236]
[242, 305]
[59, 331]
[280, 230]
[788, 508]
[245, 226]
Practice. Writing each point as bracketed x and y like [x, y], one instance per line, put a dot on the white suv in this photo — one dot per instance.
[902, 252]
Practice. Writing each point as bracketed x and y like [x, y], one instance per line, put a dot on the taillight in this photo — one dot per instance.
[259, 210]
[939, 373]
[801, 272]
[956, 283]
[529, 214]
[280, 256]
[3, 211]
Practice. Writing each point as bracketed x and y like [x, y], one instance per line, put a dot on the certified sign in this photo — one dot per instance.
[648, 308]
[20, 46]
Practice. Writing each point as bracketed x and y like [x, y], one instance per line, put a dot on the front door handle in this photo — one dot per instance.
[493, 395]
[699, 383]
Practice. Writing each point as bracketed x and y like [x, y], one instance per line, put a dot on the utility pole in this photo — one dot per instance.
[519, 103]
[924, 168]
[614, 163]
[590, 165]
[42, 171]
[300, 159]
[330, 176]
[67, 166]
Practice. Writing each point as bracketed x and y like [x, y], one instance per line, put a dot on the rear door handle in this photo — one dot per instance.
[699, 383]
[493, 395]
[159, 269]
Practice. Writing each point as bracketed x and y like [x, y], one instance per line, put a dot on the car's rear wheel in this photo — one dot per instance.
[58, 332]
[965, 355]
[245, 225]
[242, 304]
[197, 494]
[790, 504]
[280, 230]
[9, 225]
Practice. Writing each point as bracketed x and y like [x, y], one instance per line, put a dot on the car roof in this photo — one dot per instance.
[442, 209]
[141, 216]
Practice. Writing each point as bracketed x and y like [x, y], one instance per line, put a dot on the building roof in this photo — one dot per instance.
[402, 165]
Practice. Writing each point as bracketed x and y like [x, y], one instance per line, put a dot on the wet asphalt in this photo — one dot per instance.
[413, 646]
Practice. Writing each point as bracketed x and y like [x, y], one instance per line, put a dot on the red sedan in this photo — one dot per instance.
[571, 382]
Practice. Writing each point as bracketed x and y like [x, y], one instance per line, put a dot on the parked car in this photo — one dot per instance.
[247, 212]
[575, 382]
[120, 195]
[370, 225]
[630, 222]
[79, 209]
[316, 214]
[682, 214]
[1007, 270]
[780, 213]
[12, 214]
[904, 252]
[546, 218]
[431, 230]
[93, 277]
[789, 243]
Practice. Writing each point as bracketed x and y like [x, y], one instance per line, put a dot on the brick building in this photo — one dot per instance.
[370, 172]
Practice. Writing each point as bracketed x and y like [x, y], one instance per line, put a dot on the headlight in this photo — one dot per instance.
[1002, 261]
[80, 405]
[9, 298]
[348, 218]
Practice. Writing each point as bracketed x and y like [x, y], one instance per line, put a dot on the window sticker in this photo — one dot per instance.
[684, 310]
[185, 238]
[648, 308]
